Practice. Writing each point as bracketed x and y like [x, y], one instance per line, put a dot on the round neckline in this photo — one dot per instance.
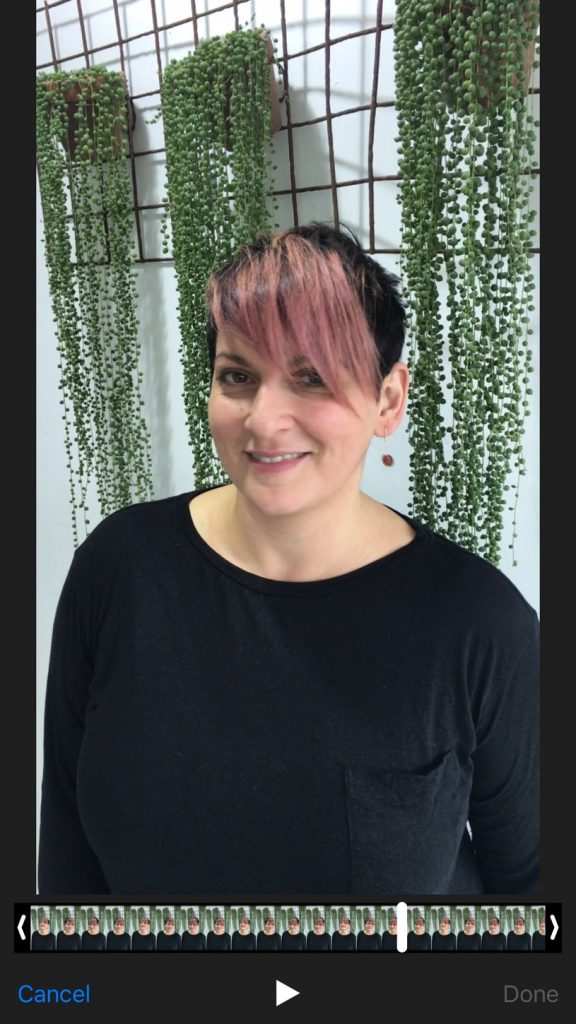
[298, 587]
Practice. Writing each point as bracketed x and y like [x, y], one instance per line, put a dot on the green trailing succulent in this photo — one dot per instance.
[467, 164]
[217, 126]
[81, 136]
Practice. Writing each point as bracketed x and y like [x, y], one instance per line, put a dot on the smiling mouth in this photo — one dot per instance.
[268, 459]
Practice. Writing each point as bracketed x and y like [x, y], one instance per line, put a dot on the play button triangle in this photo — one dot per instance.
[284, 992]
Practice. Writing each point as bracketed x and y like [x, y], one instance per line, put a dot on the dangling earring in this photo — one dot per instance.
[387, 459]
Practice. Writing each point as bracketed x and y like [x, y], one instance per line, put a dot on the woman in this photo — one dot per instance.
[243, 939]
[144, 940]
[344, 939]
[289, 603]
[293, 939]
[419, 940]
[268, 940]
[390, 936]
[444, 939]
[469, 940]
[168, 940]
[318, 940]
[218, 940]
[93, 940]
[43, 940]
[68, 940]
[194, 940]
[368, 940]
[118, 940]
[519, 940]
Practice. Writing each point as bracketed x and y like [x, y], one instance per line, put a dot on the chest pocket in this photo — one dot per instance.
[407, 831]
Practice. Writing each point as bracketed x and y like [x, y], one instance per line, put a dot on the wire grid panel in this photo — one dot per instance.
[335, 155]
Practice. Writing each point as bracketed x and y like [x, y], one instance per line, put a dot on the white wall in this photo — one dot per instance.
[352, 69]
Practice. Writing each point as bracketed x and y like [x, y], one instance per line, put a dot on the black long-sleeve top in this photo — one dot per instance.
[93, 943]
[294, 943]
[177, 679]
[196, 943]
[443, 943]
[168, 943]
[469, 943]
[518, 943]
[43, 943]
[116, 942]
[493, 942]
[418, 943]
[344, 942]
[243, 942]
[368, 943]
[143, 943]
[218, 943]
[68, 943]
[268, 943]
[318, 943]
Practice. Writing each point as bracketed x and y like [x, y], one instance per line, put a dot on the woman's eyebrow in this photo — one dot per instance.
[296, 363]
[233, 359]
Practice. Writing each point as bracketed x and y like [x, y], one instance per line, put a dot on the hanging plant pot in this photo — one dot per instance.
[85, 92]
[87, 208]
[490, 69]
[273, 100]
[467, 164]
[218, 108]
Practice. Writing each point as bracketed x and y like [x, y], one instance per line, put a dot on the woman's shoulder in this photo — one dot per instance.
[131, 527]
[467, 580]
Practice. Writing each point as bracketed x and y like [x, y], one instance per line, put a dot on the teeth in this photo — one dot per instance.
[276, 458]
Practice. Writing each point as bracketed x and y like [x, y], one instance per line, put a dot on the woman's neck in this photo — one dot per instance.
[321, 543]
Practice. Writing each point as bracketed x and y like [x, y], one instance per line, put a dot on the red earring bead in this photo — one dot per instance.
[387, 459]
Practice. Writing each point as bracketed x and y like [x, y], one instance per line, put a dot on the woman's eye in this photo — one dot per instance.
[310, 379]
[233, 377]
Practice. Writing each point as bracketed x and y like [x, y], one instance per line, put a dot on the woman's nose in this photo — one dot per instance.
[271, 407]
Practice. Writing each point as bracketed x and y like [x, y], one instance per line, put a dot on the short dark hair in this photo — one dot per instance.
[314, 277]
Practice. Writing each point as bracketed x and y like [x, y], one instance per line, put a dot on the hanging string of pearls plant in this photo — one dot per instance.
[217, 113]
[86, 195]
[466, 135]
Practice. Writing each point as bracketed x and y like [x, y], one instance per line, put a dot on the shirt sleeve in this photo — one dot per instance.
[67, 862]
[505, 807]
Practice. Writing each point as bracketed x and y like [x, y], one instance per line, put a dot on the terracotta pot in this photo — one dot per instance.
[72, 96]
[489, 101]
[274, 102]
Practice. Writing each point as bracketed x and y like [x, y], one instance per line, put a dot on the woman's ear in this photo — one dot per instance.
[393, 398]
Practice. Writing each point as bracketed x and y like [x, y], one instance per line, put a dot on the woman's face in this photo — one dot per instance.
[144, 926]
[219, 926]
[169, 926]
[284, 440]
[344, 926]
[319, 926]
[419, 926]
[369, 926]
[444, 926]
[269, 926]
